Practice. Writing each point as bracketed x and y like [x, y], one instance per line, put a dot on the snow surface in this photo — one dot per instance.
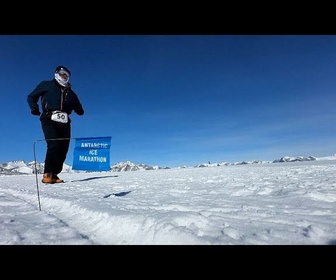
[287, 203]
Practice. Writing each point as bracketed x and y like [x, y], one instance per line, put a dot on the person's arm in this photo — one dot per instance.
[33, 98]
[78, 108]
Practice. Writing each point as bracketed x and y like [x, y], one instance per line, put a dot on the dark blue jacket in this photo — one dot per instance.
[54, 97]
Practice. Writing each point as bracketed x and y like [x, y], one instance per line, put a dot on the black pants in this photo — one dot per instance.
[56, 149]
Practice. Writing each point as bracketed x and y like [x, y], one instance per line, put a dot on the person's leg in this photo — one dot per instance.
[50, 132]
[63, 148]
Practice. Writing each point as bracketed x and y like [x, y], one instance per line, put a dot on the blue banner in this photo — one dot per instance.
[92, 154]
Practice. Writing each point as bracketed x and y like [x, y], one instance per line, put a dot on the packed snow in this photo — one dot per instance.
[283, 203]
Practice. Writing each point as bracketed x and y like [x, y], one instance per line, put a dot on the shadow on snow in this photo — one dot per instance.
[116, 194]
[93, 178]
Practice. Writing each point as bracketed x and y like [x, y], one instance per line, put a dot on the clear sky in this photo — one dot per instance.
[253, 204]
[173, 100]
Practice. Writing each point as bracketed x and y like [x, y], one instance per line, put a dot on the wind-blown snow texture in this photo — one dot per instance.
[269, 203]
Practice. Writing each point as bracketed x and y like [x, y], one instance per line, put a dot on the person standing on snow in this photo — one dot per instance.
[58, 100]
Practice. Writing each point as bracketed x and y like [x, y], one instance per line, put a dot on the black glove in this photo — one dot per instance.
[36, 112]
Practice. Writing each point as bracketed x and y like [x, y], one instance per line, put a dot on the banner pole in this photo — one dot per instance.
[35, 168]
[35, 171]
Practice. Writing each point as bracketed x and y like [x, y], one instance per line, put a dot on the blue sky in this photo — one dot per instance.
[173, 100]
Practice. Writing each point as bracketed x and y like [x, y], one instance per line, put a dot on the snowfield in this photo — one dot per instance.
[286, 203]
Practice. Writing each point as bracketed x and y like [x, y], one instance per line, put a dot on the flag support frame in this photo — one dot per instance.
[35, 161]
[35, 168]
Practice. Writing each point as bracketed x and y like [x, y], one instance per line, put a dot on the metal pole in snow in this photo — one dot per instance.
[35, 168]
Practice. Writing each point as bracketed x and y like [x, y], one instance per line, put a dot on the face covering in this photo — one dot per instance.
[61, 81]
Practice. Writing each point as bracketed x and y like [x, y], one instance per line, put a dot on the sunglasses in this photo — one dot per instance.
[62, 72]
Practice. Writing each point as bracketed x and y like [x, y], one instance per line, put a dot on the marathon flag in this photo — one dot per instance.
[92, 154]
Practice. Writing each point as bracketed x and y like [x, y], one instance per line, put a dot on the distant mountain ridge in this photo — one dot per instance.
[22, 167]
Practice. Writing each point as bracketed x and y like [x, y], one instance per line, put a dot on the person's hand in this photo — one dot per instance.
[36, 112]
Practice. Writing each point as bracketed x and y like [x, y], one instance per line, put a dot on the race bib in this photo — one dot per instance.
[59, 116]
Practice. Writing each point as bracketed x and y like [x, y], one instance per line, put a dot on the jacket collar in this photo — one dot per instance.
[60, 86]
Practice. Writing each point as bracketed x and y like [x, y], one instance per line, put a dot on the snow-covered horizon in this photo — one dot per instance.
[22, 167]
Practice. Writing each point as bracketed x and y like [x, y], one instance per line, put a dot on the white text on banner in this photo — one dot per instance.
[92, 154]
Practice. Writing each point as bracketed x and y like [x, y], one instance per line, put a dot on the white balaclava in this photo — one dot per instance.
[61, 81]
